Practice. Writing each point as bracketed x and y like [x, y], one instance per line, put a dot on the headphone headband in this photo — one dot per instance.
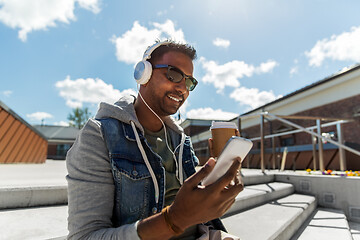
[143, 69]
[148, 52]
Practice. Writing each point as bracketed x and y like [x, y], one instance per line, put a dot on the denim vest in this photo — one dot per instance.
[134, 188]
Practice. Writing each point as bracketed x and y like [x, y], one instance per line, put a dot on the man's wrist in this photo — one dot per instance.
[170, 221]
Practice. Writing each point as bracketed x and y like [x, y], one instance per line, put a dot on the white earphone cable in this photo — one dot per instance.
[179, 174]
[162, 122]
[147, 163]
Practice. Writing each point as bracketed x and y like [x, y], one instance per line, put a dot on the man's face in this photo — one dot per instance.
[163, 96]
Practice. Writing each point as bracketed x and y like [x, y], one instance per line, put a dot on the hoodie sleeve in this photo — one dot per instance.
[91, 189]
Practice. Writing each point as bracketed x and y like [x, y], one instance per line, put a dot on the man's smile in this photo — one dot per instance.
[174, 98]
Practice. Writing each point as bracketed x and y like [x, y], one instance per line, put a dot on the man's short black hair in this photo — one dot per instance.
[173, 46]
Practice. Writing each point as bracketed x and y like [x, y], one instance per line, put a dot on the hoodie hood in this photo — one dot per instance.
[124, 111]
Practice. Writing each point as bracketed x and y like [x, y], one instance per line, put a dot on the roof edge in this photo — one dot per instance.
[4, 106]
[315, 84]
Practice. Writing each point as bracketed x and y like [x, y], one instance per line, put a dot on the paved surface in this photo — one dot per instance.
[355, 230]
[38, 222]
[51, 173]
[327, 224]
[34, 223]
[51, 222]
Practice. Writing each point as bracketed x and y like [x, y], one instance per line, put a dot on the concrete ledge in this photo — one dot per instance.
[20, 197]
[278, 219]
[255, 195]
[327, 224]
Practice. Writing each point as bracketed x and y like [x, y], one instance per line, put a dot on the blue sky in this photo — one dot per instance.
[56, 55]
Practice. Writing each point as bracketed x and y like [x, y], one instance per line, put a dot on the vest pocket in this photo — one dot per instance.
[133, 188]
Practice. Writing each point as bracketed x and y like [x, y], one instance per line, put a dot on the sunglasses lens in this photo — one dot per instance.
[190, 83]
[174, 75]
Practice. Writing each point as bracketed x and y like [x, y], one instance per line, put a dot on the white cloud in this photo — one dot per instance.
[74, 104]
[7, 93]
[28, 16]
[294, 70]
[343, 47]
[209, 113]
[61, 123]
[252, 97]
[266, 67]
[228, 74]
[160, 13]
[38, 116]
[219, 42]
[131, 45]
[91, 5]
[79, 91]
[164, 12]
[168, 29]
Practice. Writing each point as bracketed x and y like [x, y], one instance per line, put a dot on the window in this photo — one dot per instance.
[62, 149]
[287, 141]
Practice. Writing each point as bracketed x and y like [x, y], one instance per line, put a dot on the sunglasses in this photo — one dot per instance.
[176, 75]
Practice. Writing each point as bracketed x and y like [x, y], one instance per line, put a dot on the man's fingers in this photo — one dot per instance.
[202, 173]
[229, 175]
[210, 141]
[233, 191]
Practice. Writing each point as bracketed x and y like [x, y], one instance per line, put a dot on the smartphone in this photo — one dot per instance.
[235, 147]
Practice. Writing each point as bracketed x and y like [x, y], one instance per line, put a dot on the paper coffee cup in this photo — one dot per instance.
[221, 132]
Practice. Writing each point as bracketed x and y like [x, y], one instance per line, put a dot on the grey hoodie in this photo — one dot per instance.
[90, 181]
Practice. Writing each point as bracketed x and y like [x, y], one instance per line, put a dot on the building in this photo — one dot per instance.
[60, 139]
[19, 141]
[330, 102]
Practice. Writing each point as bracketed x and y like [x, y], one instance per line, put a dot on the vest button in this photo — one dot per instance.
[154, 210]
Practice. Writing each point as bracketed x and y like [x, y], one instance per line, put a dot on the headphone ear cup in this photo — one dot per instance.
[142, 72]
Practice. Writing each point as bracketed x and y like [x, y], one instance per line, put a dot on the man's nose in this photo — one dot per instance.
[181, 87]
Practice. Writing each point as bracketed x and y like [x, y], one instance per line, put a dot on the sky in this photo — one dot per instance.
[58, 55]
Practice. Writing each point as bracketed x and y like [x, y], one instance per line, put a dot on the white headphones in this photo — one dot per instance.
[143, 69]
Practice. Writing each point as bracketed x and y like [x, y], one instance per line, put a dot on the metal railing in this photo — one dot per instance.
[309, 130]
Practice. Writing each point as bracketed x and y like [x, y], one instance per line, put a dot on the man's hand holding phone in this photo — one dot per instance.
[236, 147]
[221, 183]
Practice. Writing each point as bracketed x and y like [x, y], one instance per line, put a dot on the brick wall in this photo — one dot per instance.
[346, 108]
[193, 130]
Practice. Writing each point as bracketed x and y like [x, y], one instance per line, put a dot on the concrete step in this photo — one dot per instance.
[34, 223]
[355, 230]
[279, 219]
[327, 224]
[255, 195]
[32, 196]
[30, 185]
[253, 177]
[36, 188]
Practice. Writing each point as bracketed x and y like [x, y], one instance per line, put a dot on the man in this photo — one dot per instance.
[128, 166]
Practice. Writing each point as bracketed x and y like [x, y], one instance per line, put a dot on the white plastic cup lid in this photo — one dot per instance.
[215, 125]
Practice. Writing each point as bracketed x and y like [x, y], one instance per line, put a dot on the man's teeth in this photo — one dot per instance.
[173, 98]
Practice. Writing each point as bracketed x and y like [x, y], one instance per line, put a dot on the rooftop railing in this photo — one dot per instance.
[310, 130]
